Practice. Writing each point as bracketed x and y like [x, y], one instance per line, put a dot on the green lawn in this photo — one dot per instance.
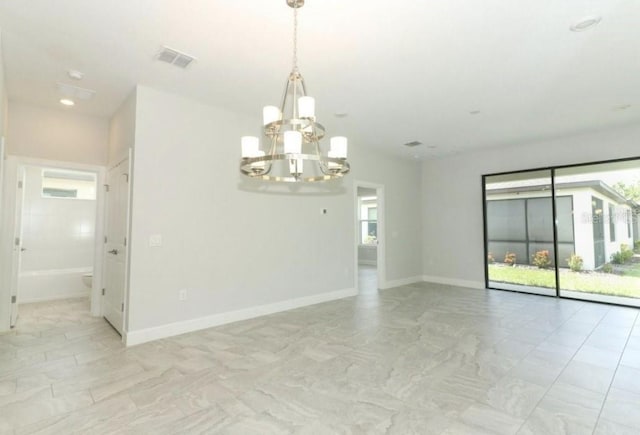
[591, 282]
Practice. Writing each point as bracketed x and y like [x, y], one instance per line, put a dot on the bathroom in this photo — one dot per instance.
[58, 223]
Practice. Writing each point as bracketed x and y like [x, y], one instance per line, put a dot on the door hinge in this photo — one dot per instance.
[125, 241]
[20, 184]
[14, 299]
[122, 307]
[103, 290]
[106, 187]
[105, 239]
[17, 241]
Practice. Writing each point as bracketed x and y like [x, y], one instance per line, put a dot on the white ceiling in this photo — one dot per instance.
[404, 71]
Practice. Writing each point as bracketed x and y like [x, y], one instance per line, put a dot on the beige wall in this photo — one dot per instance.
[452, 220]
[61, 135]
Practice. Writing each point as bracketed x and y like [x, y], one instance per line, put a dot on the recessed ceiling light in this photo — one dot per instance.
[585, 23]
[474, 112]
[433, 147]
[341, 114]
[67, 102]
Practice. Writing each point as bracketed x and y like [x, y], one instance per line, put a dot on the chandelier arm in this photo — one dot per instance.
[303, 85]
[294, 103]
[284, 95]
[321, 163]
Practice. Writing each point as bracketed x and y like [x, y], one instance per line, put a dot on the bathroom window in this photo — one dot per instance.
[57, 183]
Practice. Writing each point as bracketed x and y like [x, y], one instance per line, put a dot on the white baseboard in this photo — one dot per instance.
[172, 329]
[454, 282]
[399, 282]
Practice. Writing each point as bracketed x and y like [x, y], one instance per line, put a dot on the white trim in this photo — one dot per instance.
[400, 282]
[454, 282]
[83, 295]
[133, 338]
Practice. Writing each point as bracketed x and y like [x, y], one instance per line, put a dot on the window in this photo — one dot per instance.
[368, 220]
[629, 221]
[612, 223]
[57, 183]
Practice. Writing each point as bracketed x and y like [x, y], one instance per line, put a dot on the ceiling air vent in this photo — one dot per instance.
[174, 57]
[412, 144]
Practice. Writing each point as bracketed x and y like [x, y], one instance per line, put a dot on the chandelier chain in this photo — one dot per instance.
[295, 39]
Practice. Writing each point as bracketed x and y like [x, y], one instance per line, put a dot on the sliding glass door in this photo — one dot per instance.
[567, 231]
[603, 264]
[519, 232]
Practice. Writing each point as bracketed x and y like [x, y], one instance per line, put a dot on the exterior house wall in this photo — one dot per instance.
[583, 227]
[583, 224]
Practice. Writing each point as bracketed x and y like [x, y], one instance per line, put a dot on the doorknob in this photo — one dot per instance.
[113, 251]
[23, 249]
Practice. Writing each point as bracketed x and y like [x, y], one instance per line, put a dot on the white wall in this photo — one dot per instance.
[232, 246]
[62, 135]
[3, 95]
[122, 130]
[452, 195]
[401, 179]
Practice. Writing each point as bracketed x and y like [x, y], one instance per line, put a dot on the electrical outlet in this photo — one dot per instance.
[155, 240]
[182, 294]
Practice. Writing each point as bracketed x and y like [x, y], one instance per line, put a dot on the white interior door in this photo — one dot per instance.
[17, 245]
[117, 203]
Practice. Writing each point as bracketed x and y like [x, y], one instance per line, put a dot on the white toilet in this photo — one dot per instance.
[87, 280]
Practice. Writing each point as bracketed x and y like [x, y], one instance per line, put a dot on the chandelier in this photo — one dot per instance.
[293, 135]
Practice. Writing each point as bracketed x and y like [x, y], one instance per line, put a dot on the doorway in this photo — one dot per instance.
[369, 243]
[56, 228]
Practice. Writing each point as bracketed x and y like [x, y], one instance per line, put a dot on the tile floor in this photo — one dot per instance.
[419, 359]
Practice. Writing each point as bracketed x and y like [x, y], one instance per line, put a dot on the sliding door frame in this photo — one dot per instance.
[552, 170]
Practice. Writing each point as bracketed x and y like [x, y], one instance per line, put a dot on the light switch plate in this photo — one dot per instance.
[155, 240]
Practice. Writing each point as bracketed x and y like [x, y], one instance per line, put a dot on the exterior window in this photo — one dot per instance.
[368, 221]
[612, 223]
[629, 220]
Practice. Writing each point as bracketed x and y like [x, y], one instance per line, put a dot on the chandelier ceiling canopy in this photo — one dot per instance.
[292, 134]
